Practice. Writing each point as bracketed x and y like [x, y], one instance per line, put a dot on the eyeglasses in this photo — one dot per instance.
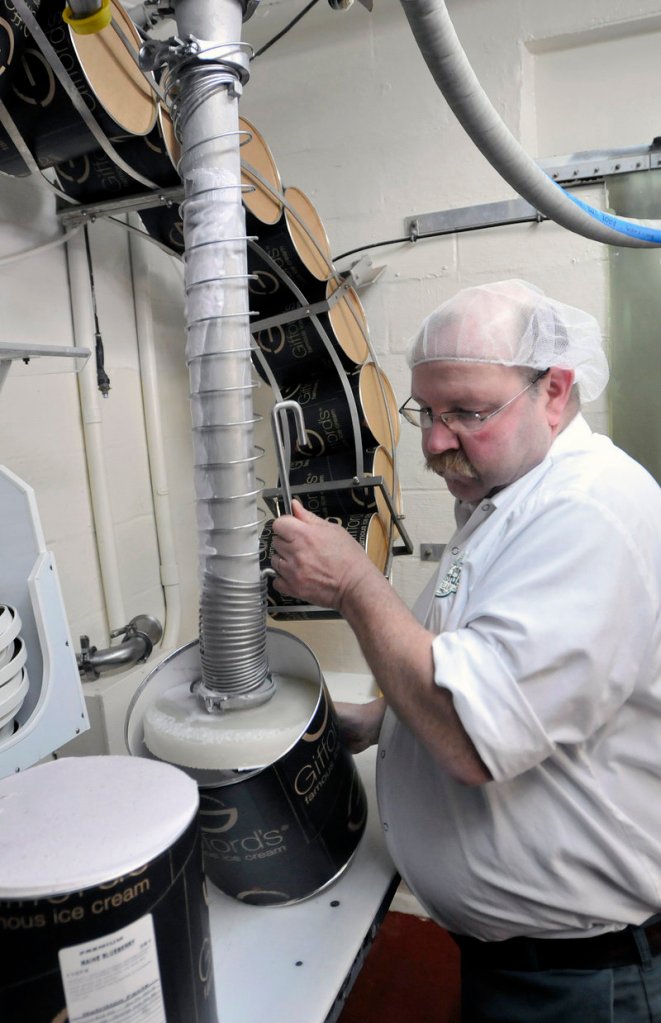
[460, 421]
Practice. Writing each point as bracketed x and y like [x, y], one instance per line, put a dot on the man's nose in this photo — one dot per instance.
[439, 438]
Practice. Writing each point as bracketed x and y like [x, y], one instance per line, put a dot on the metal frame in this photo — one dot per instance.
[577, 169]
[10, 352]
[274, 494]
[356, 482]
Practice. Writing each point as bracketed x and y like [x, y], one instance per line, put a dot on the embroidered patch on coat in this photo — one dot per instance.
[450, 582]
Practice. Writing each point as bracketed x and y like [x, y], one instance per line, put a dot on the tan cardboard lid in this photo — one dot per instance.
[349, 322]
[383, 465]
[264, 197]
[377, 543]
[116, 80]
[308, 233]
[379, 405]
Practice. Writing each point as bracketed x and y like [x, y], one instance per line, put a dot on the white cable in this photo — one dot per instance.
[15, 257]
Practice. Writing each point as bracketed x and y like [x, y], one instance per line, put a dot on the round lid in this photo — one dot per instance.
[74, 823]
[377, 543]
[118, 83]
[383, 465]
[259, 170]
[308, 234]
[12, 695]
[349, 322]
[379, 405]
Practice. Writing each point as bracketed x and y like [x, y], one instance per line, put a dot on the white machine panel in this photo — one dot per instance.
[53, 711]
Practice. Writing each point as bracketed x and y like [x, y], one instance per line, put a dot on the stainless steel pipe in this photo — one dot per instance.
[203, 86]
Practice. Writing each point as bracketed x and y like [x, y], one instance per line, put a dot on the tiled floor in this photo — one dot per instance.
[411, 975]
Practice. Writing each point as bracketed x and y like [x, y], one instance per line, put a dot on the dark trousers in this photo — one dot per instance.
[621, 994]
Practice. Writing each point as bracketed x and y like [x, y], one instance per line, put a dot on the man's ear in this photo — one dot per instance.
[557, 386]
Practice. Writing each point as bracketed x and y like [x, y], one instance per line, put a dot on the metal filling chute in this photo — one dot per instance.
[202, 81]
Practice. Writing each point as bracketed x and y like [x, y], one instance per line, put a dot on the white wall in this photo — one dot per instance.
[41, 423]
[354, 119]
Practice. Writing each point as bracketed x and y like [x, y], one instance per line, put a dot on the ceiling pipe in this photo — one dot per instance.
[438, 42]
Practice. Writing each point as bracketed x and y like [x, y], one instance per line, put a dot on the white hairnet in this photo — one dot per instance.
[513, 323]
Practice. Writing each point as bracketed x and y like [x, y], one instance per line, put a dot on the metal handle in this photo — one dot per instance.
[278, 414]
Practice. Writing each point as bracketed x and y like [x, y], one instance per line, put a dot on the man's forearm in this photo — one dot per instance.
[398, 650]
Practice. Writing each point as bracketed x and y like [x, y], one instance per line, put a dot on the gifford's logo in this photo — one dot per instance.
[450, 581]
[224, 838]
[261, 282]
[312, 777]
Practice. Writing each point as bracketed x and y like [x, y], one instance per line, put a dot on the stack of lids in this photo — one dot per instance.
[14, 682]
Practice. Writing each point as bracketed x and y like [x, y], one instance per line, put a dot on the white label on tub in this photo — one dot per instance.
[114, 979]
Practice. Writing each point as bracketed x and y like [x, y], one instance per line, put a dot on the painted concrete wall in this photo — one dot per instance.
[357, 122]
[354, 119]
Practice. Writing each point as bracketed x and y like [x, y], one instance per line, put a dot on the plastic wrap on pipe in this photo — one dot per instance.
[220, 370]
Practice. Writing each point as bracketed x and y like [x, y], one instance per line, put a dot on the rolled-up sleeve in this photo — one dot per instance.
[553, 635]
[502, 724]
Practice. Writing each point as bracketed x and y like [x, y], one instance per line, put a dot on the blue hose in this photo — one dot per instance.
[629, 227]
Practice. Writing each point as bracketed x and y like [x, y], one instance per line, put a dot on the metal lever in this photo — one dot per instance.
[276, 423]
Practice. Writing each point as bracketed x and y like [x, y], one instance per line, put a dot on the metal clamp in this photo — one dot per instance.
[154, 53]
[215, 701]
[230, 57]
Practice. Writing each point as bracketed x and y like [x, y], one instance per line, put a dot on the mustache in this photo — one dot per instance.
[452, 462]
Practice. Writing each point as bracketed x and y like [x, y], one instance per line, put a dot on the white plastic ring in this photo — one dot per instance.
[17, 661]
[11, 704]
[10, 626]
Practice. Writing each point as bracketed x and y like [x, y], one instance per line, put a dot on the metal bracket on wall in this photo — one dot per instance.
[71, 216]
[471, 218]
[362, 272]
[431, 551]
[577, 169]
[10, 352]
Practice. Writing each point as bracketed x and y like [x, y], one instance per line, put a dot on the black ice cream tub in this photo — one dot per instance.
[103, 73]
[281, 832]
[103, 906]
[302, 348]
[367, 528]
[294, 250]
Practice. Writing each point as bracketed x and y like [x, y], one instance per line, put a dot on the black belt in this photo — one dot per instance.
[605, 951]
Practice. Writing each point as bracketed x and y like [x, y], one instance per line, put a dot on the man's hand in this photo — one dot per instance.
[316, 560]
[360, 723]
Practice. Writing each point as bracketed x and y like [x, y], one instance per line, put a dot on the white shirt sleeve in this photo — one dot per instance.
[555, 629]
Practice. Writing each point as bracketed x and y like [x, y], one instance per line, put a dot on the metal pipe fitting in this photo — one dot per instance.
[141, 635]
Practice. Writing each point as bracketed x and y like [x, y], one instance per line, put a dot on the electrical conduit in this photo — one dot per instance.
[155, 444]
[83, 329]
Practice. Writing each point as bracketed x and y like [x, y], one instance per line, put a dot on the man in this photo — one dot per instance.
[519, 770]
